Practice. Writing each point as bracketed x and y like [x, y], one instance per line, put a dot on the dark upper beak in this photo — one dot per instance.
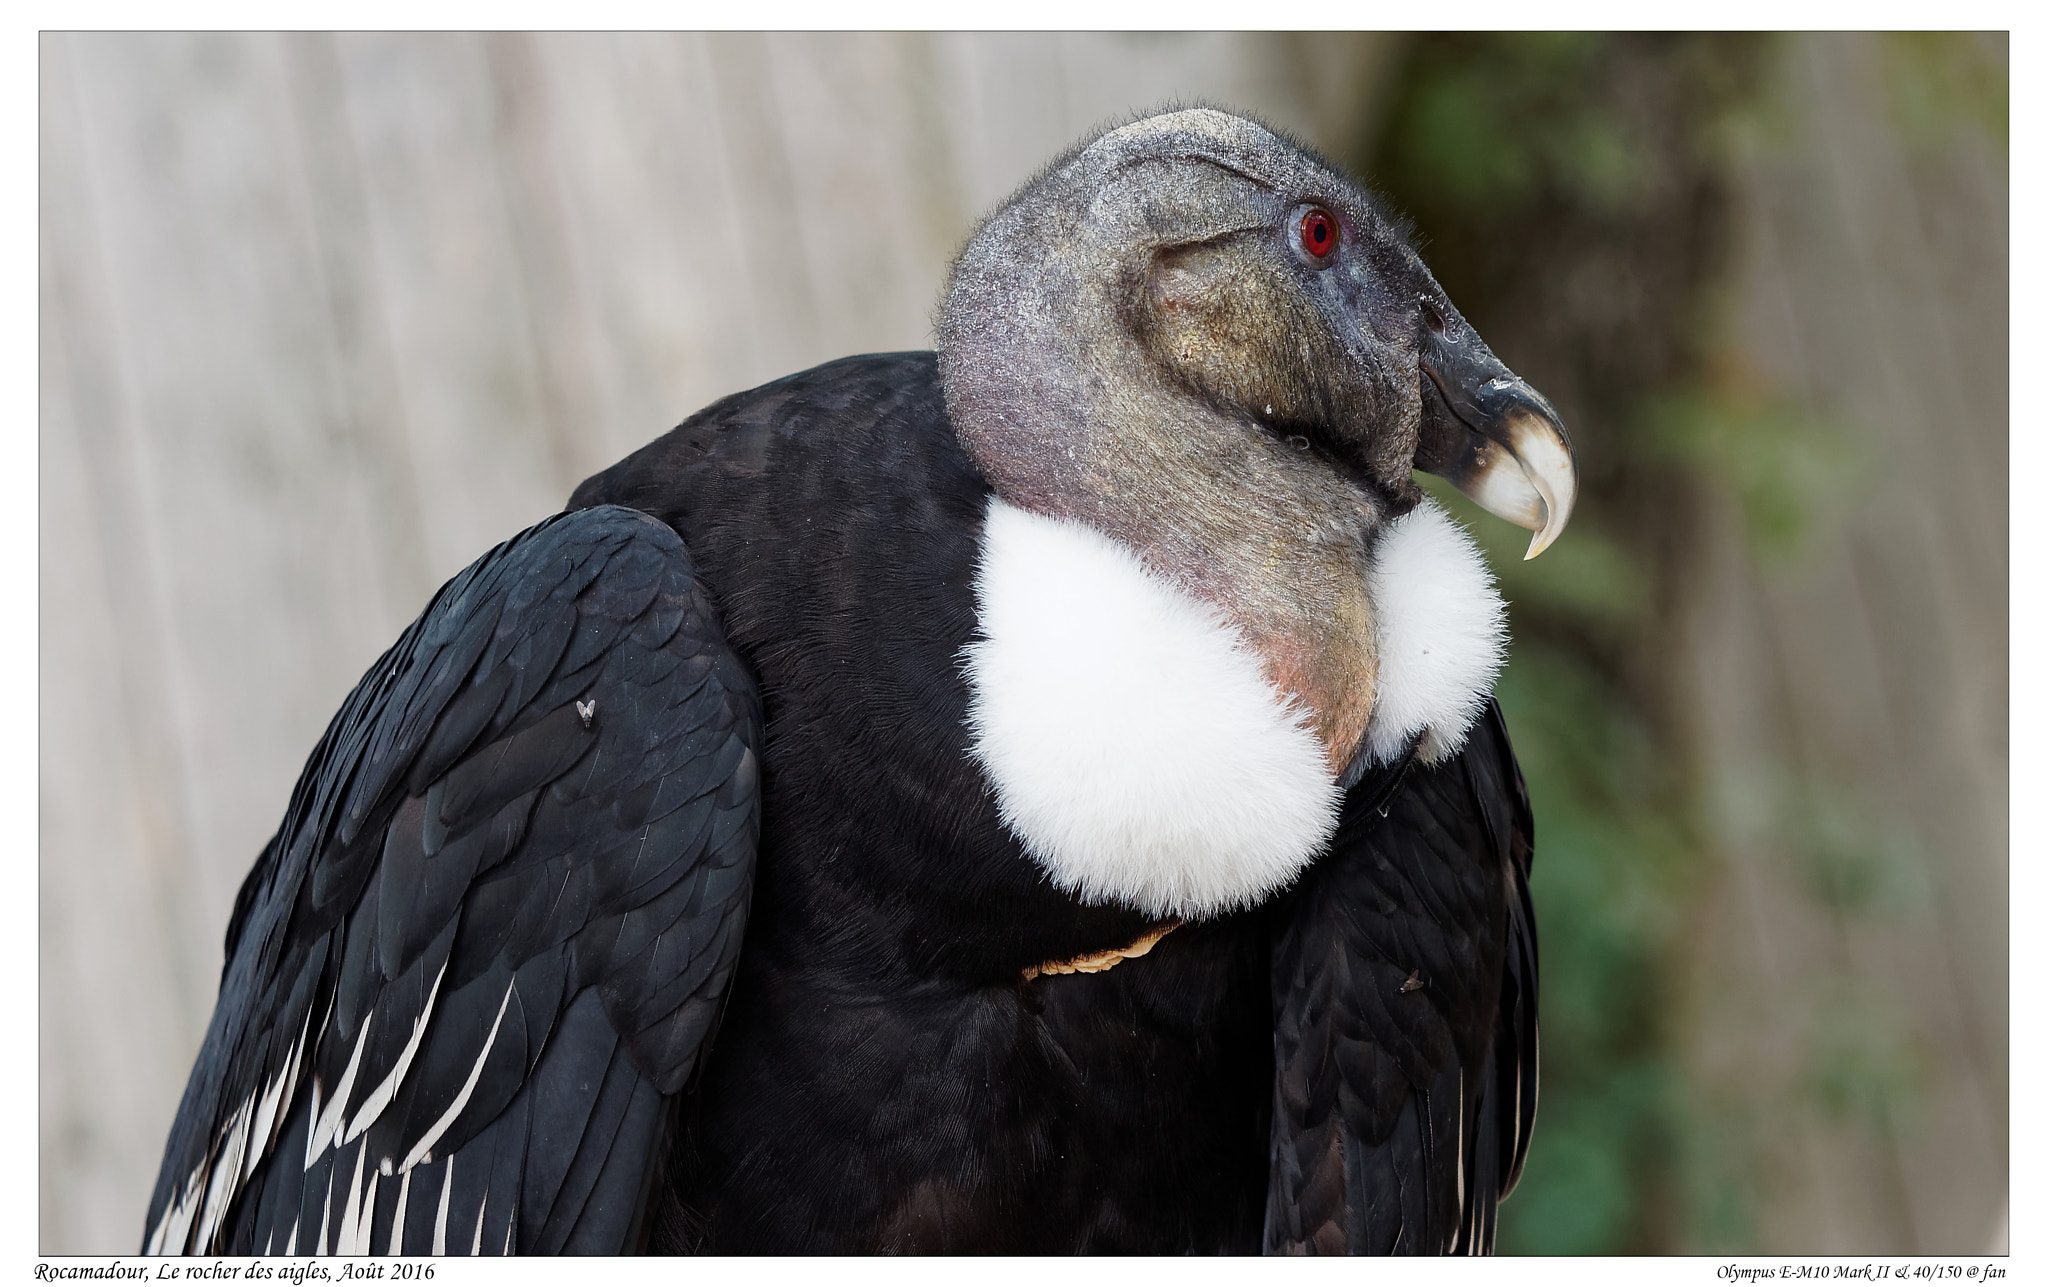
[1495, 438]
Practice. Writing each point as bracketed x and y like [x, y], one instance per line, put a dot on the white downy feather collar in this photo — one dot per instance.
[1133, 742]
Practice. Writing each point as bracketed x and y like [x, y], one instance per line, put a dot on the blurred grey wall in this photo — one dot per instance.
[323, 318]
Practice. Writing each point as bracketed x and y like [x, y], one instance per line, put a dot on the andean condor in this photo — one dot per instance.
[1038, 796]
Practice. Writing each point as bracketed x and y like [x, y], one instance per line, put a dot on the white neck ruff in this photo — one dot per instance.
[1443, 634]
[1133, 742]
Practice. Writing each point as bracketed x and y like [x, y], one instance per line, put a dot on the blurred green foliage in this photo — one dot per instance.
[1790, 471]
[1863, 1066]
[1570, 192]
[1940, 80]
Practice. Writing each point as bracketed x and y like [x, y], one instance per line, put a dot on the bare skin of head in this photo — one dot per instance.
[1133, 343]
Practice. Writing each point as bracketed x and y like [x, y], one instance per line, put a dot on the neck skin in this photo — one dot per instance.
[1094, 430]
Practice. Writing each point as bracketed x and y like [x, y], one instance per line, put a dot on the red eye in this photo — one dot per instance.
[1319, 234]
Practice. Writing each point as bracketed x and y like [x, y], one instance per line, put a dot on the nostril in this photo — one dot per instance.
[1431, 318]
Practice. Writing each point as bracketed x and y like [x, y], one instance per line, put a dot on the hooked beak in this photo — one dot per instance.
[1494, 438]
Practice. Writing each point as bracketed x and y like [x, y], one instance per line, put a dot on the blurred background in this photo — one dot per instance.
[325, 317]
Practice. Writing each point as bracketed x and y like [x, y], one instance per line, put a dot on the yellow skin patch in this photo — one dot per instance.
[1097, 962]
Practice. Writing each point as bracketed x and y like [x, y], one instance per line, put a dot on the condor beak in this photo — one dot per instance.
[1496, 439]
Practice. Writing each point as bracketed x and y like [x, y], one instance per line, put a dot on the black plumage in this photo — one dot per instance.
[653, 892]
[1404, 1002]
[880, 1002]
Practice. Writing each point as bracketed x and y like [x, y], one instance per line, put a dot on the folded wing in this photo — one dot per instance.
[1404, 988]
[494, 930]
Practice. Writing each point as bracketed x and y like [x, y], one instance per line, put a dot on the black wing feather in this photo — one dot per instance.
[492, 931]
[1404, 989]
